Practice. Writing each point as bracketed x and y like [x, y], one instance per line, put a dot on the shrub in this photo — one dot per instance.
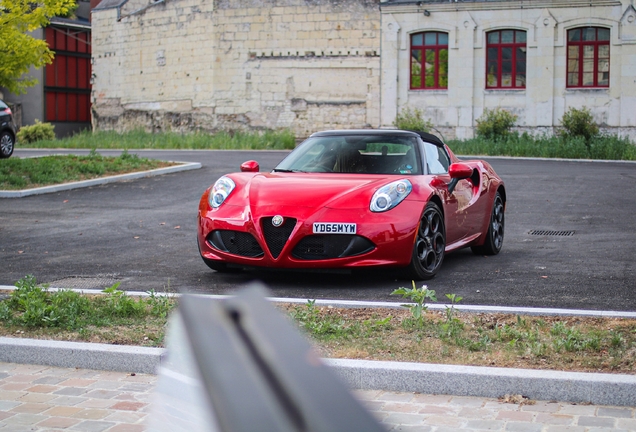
[412, 119]
[36, 132]
[579, 123]
[495, 124]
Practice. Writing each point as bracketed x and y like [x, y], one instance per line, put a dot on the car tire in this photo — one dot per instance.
[430, 242]
[495, 235]
[7, 143]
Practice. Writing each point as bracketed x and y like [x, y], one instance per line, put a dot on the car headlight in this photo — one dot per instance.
[390, 195]
[220, 191]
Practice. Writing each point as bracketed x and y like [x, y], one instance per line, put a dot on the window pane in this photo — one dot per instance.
[521, 36]
[416, 69]
[506, 73]
[416, 39]
[430, 38]
[588, 79]
[443, 68]
[442, 38]
[573, 79]
[589, 34]
[588, 65]
[443, 81]
[506, 54]
[492, 54]
[603, 34]
[520, 80]
[603, 51]
[574, 35]
[507, 36]
[603, 72]
[573, 66]
[491, 76]
[573, 52]
[493, 37]
[429, 73]
[588, 51]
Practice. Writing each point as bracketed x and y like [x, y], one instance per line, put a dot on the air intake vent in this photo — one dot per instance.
[551, 233]
[276, 237]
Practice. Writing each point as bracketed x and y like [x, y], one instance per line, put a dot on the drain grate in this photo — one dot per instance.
[85, 282]
[552, 233]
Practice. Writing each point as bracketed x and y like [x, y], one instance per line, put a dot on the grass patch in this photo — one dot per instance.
[16, 173]
[524, 145]
[139, 139]
[449, 337]
[116, 318]
[600, 147]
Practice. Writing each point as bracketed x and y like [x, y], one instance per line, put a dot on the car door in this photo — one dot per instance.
[457, 204]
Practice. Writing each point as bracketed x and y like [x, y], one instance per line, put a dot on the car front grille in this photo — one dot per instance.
[276, 237]
[235, 242]
[328, 246]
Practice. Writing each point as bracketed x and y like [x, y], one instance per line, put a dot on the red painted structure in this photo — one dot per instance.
[67, 87]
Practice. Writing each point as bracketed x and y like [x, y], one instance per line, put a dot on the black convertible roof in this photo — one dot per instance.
[430, 138]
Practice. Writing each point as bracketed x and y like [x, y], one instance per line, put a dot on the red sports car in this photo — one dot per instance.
[352, 199]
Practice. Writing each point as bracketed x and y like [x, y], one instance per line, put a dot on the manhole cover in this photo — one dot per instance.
[84, 282]
[551, 233]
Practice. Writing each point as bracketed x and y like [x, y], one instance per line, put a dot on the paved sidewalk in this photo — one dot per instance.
[44, 398]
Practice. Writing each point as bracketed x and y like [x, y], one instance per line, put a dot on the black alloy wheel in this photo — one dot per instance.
[495, 236]
[7, 143]
[428, 250]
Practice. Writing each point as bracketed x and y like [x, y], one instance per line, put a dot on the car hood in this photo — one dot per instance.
[347, 191]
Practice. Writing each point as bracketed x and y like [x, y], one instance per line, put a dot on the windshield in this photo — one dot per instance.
[360, 154]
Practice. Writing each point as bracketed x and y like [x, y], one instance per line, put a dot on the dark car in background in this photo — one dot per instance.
[7, 131]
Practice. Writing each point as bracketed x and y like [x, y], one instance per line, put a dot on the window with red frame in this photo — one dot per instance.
[67, 86]
[506, 59]
[588, 57]
[429, 60]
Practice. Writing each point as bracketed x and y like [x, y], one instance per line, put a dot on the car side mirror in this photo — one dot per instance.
[250, 166]
[457, 172]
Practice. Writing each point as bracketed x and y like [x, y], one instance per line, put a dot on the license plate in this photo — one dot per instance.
[334, 228]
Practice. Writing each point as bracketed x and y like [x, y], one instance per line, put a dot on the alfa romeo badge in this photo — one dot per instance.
[277, 220]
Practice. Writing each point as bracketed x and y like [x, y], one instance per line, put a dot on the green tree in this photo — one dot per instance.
[18, 49]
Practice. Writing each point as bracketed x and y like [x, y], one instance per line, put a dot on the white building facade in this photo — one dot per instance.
[534, 58]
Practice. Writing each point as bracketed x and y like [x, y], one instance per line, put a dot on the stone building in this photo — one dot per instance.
[227, 64]
[535, 58]
[309, 65]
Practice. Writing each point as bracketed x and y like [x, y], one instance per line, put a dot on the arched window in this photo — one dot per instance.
[588, 57]
[506, 59]
[429, 60]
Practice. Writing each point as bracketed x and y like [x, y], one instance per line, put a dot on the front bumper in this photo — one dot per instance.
[235, 235]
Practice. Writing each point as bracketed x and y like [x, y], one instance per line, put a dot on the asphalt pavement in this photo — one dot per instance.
[142, 233]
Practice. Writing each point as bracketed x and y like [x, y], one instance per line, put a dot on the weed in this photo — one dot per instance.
[579, 123]
[36, 132]
[418, 296]
[119, 304]
[412, 119]
[160, 306]
[495, 124]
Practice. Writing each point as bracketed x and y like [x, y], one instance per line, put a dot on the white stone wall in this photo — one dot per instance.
[199, 64]
[543, 102]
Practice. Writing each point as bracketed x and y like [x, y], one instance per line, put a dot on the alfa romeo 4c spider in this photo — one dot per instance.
[354, 199]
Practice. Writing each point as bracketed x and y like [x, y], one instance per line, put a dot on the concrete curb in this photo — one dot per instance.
[185, 166]
[598, 389]
[120, 358]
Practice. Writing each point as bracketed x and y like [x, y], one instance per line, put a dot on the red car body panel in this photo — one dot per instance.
[345, 198]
